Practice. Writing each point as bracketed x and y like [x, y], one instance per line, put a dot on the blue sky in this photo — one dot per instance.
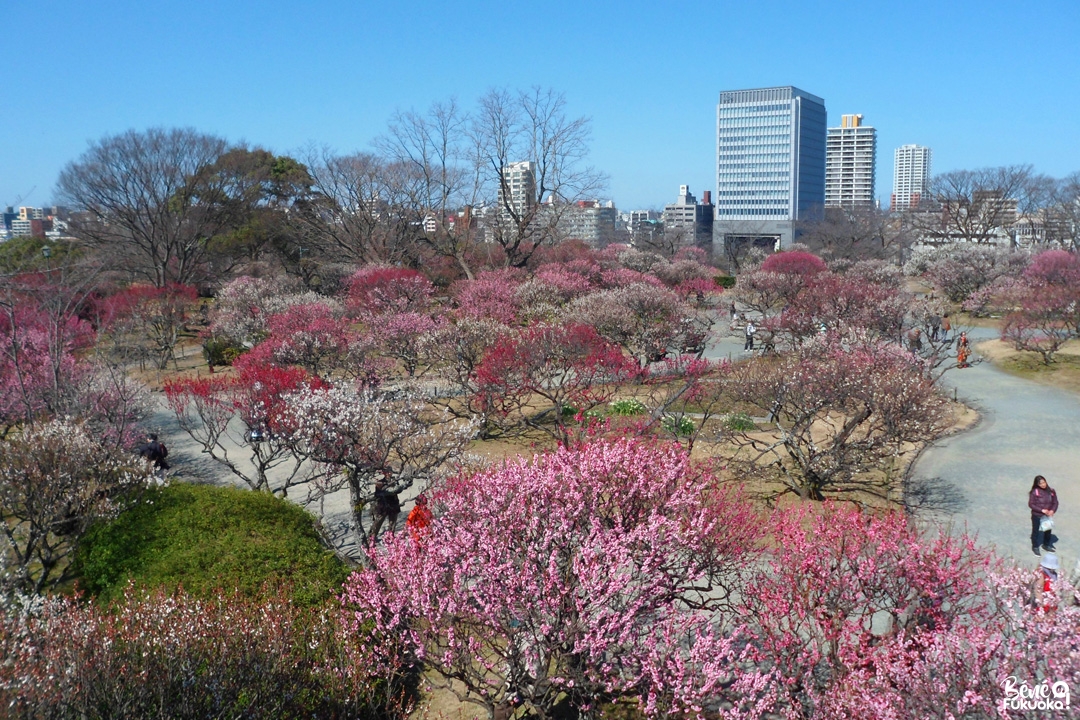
[982, 82]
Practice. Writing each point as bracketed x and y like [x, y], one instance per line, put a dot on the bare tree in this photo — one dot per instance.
[439, 181]
[530, 126]
[977, 206]
[133, 199]
[1062, 224]
[352, 212]
[854, 233]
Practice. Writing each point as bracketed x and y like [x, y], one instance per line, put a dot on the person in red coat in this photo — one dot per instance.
[1043, 502]
[419, 518]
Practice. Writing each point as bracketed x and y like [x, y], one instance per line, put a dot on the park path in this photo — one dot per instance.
[190, 464]
[1025, 429]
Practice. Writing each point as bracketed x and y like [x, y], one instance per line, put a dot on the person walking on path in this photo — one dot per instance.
[156, 452]
[750, 330]
[1043, 502]
[387, 507]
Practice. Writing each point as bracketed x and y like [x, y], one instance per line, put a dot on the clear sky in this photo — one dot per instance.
[982, 82]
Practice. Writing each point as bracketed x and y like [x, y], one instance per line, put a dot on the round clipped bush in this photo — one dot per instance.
[209, 539]
[221, 351]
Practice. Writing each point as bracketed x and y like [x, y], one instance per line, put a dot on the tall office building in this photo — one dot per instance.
[850, 156]
[770, 163]
[911, 177]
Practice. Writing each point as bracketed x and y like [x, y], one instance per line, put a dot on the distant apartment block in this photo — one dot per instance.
[850, 158]
[770, 163]
[517, 189]
[590, 221]
[911, 177]
[689, 219]
[31, 222]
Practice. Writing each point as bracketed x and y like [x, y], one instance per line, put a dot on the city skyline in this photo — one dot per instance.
[333, 74]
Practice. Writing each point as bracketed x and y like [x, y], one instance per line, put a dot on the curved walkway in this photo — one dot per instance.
[1026, 429]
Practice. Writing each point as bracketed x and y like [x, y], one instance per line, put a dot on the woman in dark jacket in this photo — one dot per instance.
[1043, 503]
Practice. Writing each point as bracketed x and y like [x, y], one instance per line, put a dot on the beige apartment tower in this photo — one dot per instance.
[850, 159]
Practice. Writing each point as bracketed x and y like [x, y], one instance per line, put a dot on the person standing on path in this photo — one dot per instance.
[1043, 502]
[963, 352]
[750, 330]
[419, 518]
[1043, 586]
[387, 507]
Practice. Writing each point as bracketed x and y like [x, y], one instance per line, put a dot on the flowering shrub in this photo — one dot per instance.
[557, 366]
[39, 370]
[243, 306]
[645, 320]
[148, 313]
[377, 289]
[361, 437]
[401, 336]
[577, 577]
[490, 295]
[55, 480]
[207, 409]
[160, 655]
[844, 409]
[316, 338]
[862, 615]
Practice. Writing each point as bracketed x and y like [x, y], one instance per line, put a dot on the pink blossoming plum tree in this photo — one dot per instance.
[863, 615]
[843, 410]
[567, 581]
[1045, 305]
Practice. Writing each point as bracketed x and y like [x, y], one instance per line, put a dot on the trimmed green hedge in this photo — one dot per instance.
[210, 539]
[725, 281]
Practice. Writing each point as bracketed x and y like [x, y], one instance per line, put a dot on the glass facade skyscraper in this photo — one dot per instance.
[770, 160]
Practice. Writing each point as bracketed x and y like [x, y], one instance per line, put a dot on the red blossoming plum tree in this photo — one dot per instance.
[244, 412]
[543, 375]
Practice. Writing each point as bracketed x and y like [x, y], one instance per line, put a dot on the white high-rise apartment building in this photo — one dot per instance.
[911, 177]
[518, 188]
[850, 157]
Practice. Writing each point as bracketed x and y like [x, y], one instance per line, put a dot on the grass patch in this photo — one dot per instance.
[210, 539]
[739, 422]
[627, 406]
[1063, 373]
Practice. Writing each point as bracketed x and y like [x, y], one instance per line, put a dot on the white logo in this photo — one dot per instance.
[1044, 696]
